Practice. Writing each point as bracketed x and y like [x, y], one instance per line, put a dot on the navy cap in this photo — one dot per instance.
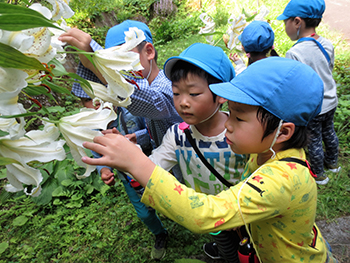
[116, 36]
[212, 60]
[257, 37]
[289, 89]
[303, 9]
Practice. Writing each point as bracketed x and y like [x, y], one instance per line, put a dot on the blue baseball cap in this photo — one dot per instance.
[303, 9]
[289, 89]
[116, 36]
[257, 37]
[212, 60]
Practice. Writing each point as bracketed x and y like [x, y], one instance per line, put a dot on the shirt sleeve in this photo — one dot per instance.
[165, 155]
[153, 102]
[203, 213]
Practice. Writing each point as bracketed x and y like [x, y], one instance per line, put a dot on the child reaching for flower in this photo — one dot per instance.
[269, 111]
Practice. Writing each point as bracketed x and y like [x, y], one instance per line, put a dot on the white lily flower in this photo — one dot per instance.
[262, 13]
[61, 9]
[57, 44]
[13, 127]
[36, 145]
[101, 92]
[16, 39]
[236, 26]
[12, 81]
[79, 128]
[209, 27]
[19, 174]
[114, 59]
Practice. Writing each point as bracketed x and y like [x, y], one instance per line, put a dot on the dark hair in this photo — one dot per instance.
[312, 22]
[309, 22]
[141, 46]
[181, 69]
[270, 122]
[255, 56]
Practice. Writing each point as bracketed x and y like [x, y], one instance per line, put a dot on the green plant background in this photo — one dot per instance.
[87, 221]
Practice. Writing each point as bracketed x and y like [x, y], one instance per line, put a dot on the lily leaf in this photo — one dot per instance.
[16, 18]
[12, 58]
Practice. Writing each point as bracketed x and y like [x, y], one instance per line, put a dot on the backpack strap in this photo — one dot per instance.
[186, 130]
[318, 44]
[302, 162]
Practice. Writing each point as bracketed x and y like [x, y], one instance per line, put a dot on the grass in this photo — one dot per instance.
[106, 227]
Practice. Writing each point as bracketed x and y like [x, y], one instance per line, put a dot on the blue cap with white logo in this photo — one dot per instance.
[116, 36]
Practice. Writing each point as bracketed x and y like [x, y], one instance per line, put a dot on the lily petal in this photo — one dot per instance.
[37, 145]
[112, 60]
[60, 9]
[19, 174]
[79, 128]
[209, 27]
[101, 92]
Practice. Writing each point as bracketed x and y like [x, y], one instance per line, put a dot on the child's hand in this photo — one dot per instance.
[132, 137]
[110, 131]
[77, 38]
[107, 176]
[234, 57]
[118, 152]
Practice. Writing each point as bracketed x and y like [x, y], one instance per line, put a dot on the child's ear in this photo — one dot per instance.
[297, 21]
[221, 100]
[286, 132]
[150, 51]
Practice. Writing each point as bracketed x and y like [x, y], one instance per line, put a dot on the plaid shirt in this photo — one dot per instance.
[154, 102]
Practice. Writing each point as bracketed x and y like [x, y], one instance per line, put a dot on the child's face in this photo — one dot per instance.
[291, 29]
[244, 131]
[193, 100]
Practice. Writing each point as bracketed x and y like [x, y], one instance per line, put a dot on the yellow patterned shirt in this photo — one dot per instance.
[278, 201]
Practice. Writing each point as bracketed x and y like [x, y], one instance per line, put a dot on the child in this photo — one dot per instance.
[270, 108]
[153, 101]
[191, 73]
[301, 19]
[257, 40]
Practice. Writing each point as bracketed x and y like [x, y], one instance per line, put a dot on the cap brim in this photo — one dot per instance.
[229, 91]
[282, 17]
[168, 65]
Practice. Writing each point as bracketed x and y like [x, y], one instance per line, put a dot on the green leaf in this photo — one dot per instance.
[12, 58]
[3, 247]
[16, 18]
[20, 221]
[67, 182]
[56, 88]
[6, 161]
[59, 69]
[3, 133]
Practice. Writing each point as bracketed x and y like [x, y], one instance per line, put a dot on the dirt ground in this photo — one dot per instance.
[337, 16]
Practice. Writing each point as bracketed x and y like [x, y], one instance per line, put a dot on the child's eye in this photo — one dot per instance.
[238, 119]
[194, 94]
[175, 94]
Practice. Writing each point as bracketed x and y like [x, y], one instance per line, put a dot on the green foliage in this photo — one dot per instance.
[181, 26]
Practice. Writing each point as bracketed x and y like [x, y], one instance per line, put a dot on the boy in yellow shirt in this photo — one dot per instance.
[270, 108]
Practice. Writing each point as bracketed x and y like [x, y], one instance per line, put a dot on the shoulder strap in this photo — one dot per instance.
[302, 162]
[204, 161]
[318, 44]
